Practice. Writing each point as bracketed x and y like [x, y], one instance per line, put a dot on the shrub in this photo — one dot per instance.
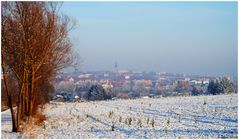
[126, 121]
[139, 123]
[168, 121]
[110, 114]
[130, 120]
[112, 127]
[147, 120]
[204, 102]
[195, 120]
[152, 122]
[120, 119]
[39, 118]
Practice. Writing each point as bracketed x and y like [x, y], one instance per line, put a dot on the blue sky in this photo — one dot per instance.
[179, 37]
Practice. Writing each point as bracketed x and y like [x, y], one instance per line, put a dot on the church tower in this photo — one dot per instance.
[116, 67]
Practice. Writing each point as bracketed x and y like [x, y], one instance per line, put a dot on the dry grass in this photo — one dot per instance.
[40, 118]
[32, 125]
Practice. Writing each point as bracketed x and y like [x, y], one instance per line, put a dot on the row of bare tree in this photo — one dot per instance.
[35, 45]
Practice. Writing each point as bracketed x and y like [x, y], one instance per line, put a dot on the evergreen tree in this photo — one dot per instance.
[215, 87]
[97, 92]
[227, 85]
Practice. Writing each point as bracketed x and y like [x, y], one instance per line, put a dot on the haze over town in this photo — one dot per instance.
[140, 70]
[179, 37]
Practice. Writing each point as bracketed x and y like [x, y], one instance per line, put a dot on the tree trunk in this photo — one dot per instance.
[32, 92]
[9, 98]
[20, 101]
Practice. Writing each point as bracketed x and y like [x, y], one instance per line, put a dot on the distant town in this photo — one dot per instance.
[122, 84]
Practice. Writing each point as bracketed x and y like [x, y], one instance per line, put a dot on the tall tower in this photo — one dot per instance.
[116, 67]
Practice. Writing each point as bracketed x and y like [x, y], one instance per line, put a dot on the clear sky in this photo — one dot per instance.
[179, 37]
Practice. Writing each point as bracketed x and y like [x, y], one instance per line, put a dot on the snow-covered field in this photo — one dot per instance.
[171, 117]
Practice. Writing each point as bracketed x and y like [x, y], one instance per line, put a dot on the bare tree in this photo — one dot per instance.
[35, 45]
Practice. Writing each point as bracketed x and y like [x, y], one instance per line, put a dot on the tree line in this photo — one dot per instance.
[221, 86]
[35, 45]
[217, 86]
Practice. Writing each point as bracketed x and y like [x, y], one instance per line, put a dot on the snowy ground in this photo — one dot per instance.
[172, 117]
[6, 126]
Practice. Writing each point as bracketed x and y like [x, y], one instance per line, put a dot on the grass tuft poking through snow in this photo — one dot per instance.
[170, 117]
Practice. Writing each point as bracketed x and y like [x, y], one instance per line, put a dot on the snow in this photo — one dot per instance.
[6, 126]
[173, 117]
